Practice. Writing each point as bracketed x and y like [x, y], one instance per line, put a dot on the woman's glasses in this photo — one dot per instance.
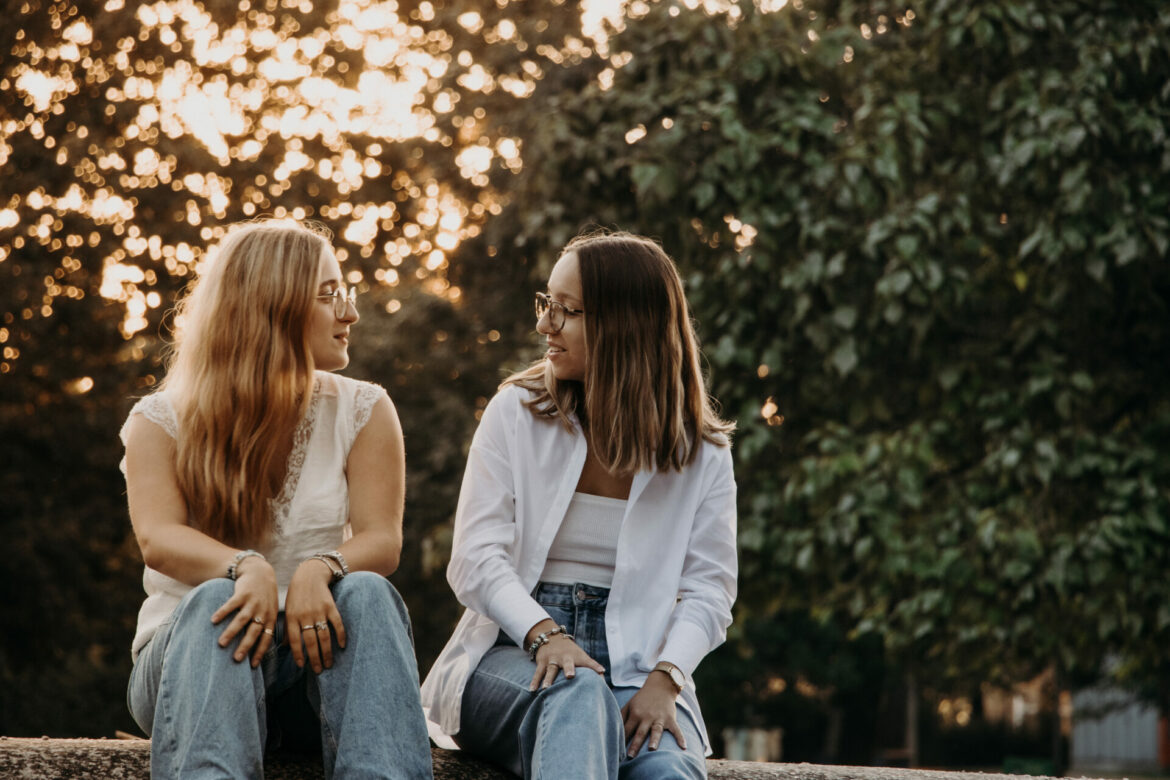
[342, 300]
[555, 310]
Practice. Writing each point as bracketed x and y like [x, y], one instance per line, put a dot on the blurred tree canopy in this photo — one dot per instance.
[130, 136]
[926, 248]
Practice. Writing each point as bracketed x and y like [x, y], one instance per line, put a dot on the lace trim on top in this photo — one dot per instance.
[282, 504]
[367, 396]
[159, 411]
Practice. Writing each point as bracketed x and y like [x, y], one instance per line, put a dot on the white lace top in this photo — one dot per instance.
[312, 510]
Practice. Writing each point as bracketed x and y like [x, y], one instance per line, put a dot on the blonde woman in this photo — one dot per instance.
[594, 539]
[266, 495]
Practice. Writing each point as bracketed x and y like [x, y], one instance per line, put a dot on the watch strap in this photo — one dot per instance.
[677, 678]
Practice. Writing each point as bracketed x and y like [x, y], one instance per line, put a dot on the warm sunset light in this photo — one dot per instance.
[260, 114]
[238, 92]
[924, 252]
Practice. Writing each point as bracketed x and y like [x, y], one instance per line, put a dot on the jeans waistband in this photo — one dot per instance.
[559, 594]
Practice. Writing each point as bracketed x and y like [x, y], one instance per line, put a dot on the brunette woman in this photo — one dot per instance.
[266, 495]
[594, 539]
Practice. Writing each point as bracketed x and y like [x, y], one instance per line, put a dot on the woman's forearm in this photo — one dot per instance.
[375, 550]
[185, 554]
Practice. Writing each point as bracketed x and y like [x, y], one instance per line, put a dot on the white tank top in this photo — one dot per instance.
[585, 548]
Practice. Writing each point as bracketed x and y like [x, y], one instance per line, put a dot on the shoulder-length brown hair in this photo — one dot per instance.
[241, 374]
[643, 400]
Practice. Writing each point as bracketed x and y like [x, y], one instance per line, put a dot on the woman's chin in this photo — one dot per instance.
[332, 362]
[566, 375]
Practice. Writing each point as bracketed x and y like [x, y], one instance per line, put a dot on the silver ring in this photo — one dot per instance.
[320, 625]
[306, 628]
[258, 620]
[270, 632]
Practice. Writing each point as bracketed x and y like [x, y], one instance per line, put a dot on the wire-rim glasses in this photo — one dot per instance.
[555, 310]
[342, 299]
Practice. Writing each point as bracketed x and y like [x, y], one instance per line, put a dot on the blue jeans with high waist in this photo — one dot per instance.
[209, 716]
[573, 728]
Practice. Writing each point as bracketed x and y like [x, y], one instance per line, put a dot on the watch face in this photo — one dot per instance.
[677, 675]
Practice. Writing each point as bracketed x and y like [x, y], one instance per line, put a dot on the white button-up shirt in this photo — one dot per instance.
[674, 578]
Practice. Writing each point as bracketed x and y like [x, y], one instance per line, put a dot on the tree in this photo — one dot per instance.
[130, 136]
[927, 250]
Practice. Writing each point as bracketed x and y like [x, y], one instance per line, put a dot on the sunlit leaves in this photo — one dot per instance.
[130, 136]
[303, 108]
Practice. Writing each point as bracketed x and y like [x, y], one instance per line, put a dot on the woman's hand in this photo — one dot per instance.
[309, 610]
[559, 653]
[254, 603]
[651, 712]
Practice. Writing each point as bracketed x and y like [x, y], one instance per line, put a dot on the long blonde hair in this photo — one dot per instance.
[643, 400]
[241, 374]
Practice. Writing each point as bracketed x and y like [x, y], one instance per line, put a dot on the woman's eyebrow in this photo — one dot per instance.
[572, 300]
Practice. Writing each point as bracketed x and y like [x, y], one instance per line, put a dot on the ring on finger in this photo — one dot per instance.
[320, 625]
[555, 664]
[306, 628]
[258, 620]
[270, 632]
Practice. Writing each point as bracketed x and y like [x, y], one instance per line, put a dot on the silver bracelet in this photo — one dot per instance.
[233, 567]
[543, 639]
[334, 571]
[336, 557]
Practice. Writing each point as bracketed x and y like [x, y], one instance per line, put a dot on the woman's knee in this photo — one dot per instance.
[674, 764]
[206, 597]
[364, 587]
[670, 760]
[587, 682]
[363, 592]
[586, 690]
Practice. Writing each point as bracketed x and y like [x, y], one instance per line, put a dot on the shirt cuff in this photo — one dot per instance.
[685, 647]
[515, 611]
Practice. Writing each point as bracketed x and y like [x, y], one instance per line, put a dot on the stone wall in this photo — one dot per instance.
[116, 759]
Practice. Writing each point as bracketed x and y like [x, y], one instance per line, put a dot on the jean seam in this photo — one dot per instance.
[327, 731]
[511, 683]
[542, 725]
[171, 747]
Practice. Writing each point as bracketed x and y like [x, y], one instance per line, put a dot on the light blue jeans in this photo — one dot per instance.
[572, 729]
[211, 717]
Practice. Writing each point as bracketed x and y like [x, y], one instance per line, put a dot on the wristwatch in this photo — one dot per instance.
[676, 675]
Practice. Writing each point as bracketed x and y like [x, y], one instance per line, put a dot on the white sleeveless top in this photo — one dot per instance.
[585, 547]
[312, 510]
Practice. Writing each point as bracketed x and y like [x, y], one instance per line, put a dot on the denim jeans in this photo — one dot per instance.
[572, 729]
[211, 717]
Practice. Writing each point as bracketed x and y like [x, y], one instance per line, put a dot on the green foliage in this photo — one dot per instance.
[794, 672]
[932, 246]
[937, 243]
[109, 170]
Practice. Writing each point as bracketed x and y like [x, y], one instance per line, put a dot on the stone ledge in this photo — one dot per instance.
[117, 759]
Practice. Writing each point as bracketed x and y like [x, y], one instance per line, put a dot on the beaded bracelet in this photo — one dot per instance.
[334, 572]
[336, 557]
[542, 639]
[233, 567]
